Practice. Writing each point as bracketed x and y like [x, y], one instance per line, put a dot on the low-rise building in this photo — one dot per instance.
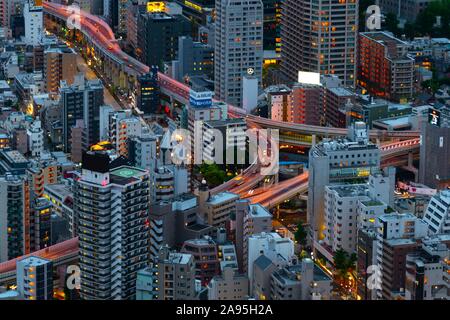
[305, 281]
[230, 285]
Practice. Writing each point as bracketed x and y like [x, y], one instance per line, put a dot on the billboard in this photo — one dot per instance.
[200, 99]
[434, 117]
[309, 77]
[156, 6]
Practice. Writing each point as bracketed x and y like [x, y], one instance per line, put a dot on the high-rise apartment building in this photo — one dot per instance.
[224, 141]
[147, 100]
[34, 23]
[194, 59]
[384, 68]
[238, 49]
[340, 206]
[112, 208]
[335, 162]
[397, 235]
[122, 126]
[59, 64]
[250, 219]
[82, 100]
[434, 169]
[307, 104]
[157, 38]
[40, 224]
[14, 199]
[216, 210]
[319, 36]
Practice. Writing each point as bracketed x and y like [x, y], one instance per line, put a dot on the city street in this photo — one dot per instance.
[90, 75]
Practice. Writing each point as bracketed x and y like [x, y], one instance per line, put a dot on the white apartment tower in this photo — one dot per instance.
[238, 47]
[34, 23]
[112, 206]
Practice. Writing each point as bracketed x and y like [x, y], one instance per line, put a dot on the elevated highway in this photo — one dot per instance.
[61, 253]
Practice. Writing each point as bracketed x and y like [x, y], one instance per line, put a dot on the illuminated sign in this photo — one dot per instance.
[193, 6]
[157, 6]
[434, 117]
[200, 99]
[309, 77]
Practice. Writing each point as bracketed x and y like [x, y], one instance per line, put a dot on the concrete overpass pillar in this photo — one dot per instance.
[412, 168]
[116, 76]
[410, 159]
[313, 140]
[123, 80]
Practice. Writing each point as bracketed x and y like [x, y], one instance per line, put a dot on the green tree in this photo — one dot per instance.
[426, 19]
[301, 234]
[344, 262]
[340, 258]
[391, 24]
[432, 85]
[213, 175]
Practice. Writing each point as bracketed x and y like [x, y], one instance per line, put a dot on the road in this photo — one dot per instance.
[90, 75]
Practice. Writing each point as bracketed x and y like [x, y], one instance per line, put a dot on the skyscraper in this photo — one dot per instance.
[112, 207]
[238, 47]
[13, 201]
[157, 37]
[319, 36]
[434, 170]
[148, 92]
[82, 100]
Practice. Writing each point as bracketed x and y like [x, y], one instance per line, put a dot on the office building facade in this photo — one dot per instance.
[238, 48]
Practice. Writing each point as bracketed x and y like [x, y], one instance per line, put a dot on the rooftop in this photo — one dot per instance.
[401, 121]
[33, 261]
[222, 197]
[372, 203]
[341, 92]
[257, 210]
[220, 123]
[179, 258]
[125, 174]
[350, 190]
[15, 156]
